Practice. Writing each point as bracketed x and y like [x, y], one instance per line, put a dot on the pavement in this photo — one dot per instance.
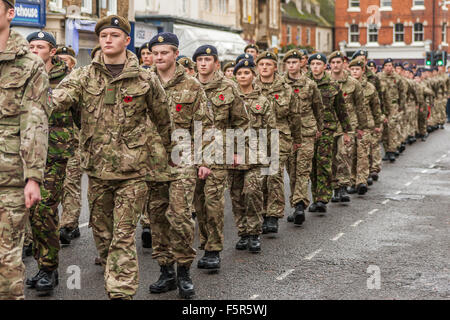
[392, 243]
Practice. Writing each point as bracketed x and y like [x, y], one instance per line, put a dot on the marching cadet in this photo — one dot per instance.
[395, 90]
[401, 145]
[366, 145]
[442, 79]
[170, 203]
[247, 180]
[311, 108]
[334, 115]
[44, 217]
[228, 69]
[286, 107]
[371, 64]
[67, 54]
[345, 154]
[423, 96]
[412, 106]
[246, 56]
[122, 112]
[24, 109]
[228, 112]
[188, 64]
[146, 56]
[253, 50]
[304, 62]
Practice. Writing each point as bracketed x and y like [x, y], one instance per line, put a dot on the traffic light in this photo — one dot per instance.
[429, 59]
[440, 58]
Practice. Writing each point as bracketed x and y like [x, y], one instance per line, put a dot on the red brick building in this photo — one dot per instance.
[399, 29]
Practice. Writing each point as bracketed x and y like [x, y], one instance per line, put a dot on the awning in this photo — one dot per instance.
[229, 45]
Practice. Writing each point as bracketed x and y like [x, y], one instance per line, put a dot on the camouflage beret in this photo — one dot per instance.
[245, 63]
[42, 35]
[267, 55]
[113, 21]
[164, 38]
[294, 53]
[243, 56]
[336, 54]
[205, 50]
[356, 63]
[318, 56]
[65, 50]
[12, 3]
[251, 46]
[227, 65]
[360, 53]
[388, 60]
[371, 63]
[186, 62]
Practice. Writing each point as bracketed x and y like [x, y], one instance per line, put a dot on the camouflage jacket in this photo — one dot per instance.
[24, 108]
[411, 95]
[371, 107]
[354, 99]
[124, 120]
[420, 93]
[187, 104]
[311, 106]
[335, 114]
[227, 110]
[395, 90]
[286, 107]
[428, 92]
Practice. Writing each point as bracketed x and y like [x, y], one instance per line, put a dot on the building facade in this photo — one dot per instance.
[400, 29]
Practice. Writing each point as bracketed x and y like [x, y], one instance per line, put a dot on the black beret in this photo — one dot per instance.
[388, 60]
[113, 21]
[164, 38]
[398, 64]
[418, 74]
[245, 63]
[360, 53]
[267, 55]
[371, 63]
[318, 56]
[66, 50]
[243, 56]
[205, 50]
[251, 46]
[42, 35]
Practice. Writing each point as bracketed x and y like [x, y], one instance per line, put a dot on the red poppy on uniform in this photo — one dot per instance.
[276, 96]
[345, 94]
[128, 99]
[221, 97]
[178, 108]
[258, 107]
[297, 90]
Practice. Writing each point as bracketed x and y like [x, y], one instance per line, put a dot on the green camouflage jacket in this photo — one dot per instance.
[395, 89]
[24, 108]
[335, 115]
[311, 106]
[124, 132]
[411, 93]
[371, 105]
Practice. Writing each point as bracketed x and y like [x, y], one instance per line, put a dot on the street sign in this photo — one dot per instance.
[30, 13]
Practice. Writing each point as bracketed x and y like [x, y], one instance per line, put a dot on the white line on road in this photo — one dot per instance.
[431, 166]
[398, 192]
[443, 156]
[284, 275]
[338, 236]
[356, 223]
[416, 177]
[438, 160]
[313, 254]
[424, 171]
[385, 201]
[253, 297]
[373, 211]
[408, 184]
[83, 225]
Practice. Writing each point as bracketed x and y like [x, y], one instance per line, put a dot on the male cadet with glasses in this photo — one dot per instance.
[24, 109]
[124, 125]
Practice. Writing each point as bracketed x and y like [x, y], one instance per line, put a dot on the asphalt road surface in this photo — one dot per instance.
[392, 243]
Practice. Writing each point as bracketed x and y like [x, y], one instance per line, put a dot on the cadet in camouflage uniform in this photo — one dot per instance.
[247, 180]
[188, 64]
[170, 203]
[24, 107]
[403, 117]
[67, 54]
[412, 106]
[366, 145]
[253, 50]
[442, 96]
[228, 70]
[345, 154]
[228, 111]
[392, 84]
[44, 217]
[423, 95]
[286, 107]
[335, 114]
[124, 127]
[311, 108]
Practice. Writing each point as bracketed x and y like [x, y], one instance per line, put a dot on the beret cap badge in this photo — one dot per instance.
[208, 50]
[160, 39]
[246, 63]
[115, 21]
[41, 35]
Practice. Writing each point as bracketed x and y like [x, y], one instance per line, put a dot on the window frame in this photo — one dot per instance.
[350, 33]
[369, 33]
[395, 33]
[444, 33]
[110, 12]
[88, 6]
[422, 32]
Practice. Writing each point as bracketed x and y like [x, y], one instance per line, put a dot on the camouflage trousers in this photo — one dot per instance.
[299, 169]
[115, 207]
[401, 128]
[321, 173]
[360, 166]
[422, 120]
[247, 200]
[145, 219]
[170, 210]
[442, 116]
[344, 155]
[209, 203]
[375, 151]
[13, 215]
[273, 189]
[412, 115]
[44, 216]
[71, 200]
[390, 134]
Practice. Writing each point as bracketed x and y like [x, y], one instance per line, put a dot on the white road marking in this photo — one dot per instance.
[356, 223]
[424, 171]
[416, 177]
[83, 225]
[338, 236]
[284, 275]
[398, 192]
[373, 211]
[438, 160]
[385, 201]
[431, 166]
[253, 297]
[313, 254]
[408, 184]
[443, 156]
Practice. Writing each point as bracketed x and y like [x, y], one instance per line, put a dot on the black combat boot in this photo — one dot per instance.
[290, 218]
[213, 261]
[184, 282]
[336, 195]
[254, 244]
[386, 156]
[441, 126]
[201, 264]
[48, 281]
[242, 244]
[299, 214]
[65, 236]
[146, 237]
[321, 206]
[31, 282]
[392, 156]
[313, 207]
[264, 226]
[166, 282]
[369, 181]
[75, 233]
[374, 176]
[344, 196]
[28, 250]
[272, 225]
[409, 140]
[423, 137]
[429, 129]
[351, 190]
[362, 189]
